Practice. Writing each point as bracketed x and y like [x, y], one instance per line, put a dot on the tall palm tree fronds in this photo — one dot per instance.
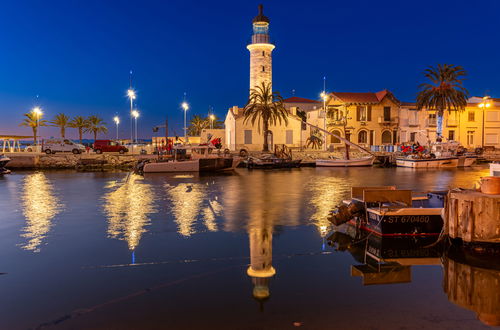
[197, 124]
[267, 107]
[315, 139]
[444, 92]
[34, 121]
[81, 124]
[96, 126]
[61, 121]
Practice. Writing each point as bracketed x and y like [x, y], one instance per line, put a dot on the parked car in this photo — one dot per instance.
[101, 146]
[51, 146]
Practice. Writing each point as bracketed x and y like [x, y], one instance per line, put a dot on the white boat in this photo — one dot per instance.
[200, 160]
[427, 162]
[495, 169]
[3, 161]
[366, 161]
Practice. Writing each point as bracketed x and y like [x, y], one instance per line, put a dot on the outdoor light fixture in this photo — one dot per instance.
[117, 122]
[484, 105]
[37, 111]
[135, 114]
[212, 118]
[185, 106]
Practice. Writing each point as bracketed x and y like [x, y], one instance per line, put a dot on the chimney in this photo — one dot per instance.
[293, 111]
[235, 110]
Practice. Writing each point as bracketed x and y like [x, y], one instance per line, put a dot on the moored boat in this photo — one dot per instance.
[366, 161]
[200, 160]
[271, 162]
[387, 211]
[3, 162]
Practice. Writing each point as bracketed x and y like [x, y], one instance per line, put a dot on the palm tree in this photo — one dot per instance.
[61, 121]
[81, 123]
[315, 139]
[96, 125]
[197, 124]
[267, 107]
[444, 92]
[34, 121]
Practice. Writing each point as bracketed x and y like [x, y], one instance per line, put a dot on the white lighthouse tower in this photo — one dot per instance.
[261, 49]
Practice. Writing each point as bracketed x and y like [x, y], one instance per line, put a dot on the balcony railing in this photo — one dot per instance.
[383, 120]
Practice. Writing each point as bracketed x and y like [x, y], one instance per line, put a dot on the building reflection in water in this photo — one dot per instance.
[473, 283]
[40, 205]
[325, 194]
[127, 207]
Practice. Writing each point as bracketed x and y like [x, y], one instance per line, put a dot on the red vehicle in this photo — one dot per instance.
[101, 146]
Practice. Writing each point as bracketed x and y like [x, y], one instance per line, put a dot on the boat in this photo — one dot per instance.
[441, 155]
[387, 211]
[200, 159]
[271, 161]
[3, 162]
[495, 169]
[366, 161]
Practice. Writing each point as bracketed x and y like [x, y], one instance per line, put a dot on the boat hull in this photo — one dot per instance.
[198, 165]
[450, 162]
[344, 162]
[404, 222]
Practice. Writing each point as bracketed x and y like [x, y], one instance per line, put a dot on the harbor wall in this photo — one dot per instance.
[71, 161]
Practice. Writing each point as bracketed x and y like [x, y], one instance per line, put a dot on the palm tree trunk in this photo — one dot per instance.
[80, 133]
[95, 136]
[63, 132]
[34, 135]
[265, 147]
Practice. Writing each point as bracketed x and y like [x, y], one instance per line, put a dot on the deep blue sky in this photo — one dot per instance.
[76, 55]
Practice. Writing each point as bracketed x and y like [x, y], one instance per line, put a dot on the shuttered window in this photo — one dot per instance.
[248, 136]
[289, 136]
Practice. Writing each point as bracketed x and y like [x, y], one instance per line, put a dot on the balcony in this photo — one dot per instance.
[382, 120]
[451, 122]
[431, 122]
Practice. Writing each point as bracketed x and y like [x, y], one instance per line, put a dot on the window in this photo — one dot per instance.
[432, 119]
[472, 116]
[248, 136]
[491, 138]
[263, 69]
[334, 114]
[413, 135]
[333, 139]
[362, 113]
[387, 113]
[371, 137]
[263, 53]
[386, 137]
[289, 136]
[403, 136]
[362, 137]
[470, 138]
[395, 136]
[492, 116]
[451, 135]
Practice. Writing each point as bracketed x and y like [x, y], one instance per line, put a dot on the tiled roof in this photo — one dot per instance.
[361, 97]
[296, 99]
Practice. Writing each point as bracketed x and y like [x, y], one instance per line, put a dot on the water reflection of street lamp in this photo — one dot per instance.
[117, 122]
[135, 114]
[484, 105]
[185, 106]
[212, 118]
[132, 96]
[37, 111]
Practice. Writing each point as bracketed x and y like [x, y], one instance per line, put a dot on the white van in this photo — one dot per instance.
[51, 146]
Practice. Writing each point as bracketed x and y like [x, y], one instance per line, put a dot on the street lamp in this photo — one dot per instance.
[484, 105]
[185, 106]
[117, 122]
[132, 96]
[324, 97]
[135, 114]
[37, 111]
[212, 118]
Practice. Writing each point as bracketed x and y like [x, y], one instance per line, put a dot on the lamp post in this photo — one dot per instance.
[37, 111]
[185, 106]
[212, 118]
[324, 96]
[135, 114]
[132, 96]
[117, 122]
[484, 105]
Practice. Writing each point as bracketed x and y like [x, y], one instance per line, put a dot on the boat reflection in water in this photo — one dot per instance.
[473, 282]
[127, 207]
[39, 205]
[385, 260]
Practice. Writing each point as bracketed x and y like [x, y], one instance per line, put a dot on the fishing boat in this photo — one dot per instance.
[271, 161]
[3, 162]
[441, 155]
[387, 211]
[366, 161]
[189, 159]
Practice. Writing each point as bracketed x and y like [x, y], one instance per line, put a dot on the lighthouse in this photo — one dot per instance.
[261, 50]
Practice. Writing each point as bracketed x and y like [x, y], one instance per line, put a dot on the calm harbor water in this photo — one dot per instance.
[119, 251]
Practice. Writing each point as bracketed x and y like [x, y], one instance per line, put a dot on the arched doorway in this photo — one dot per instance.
[333, 139]
[363, 137]
[386, 137]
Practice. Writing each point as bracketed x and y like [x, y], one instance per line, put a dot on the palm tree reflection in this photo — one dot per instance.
[40, 206]
[128, 207]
